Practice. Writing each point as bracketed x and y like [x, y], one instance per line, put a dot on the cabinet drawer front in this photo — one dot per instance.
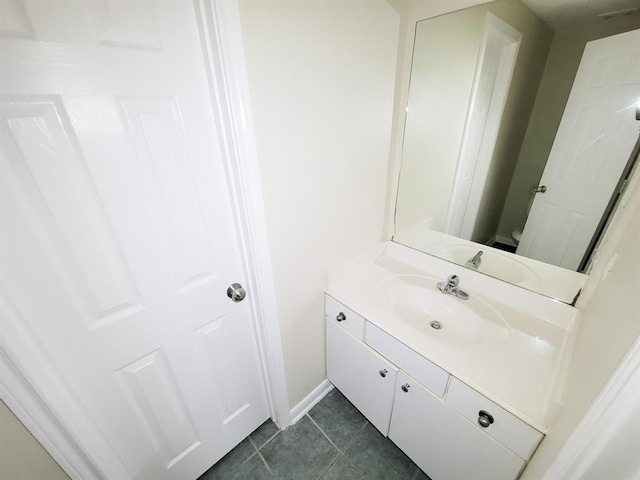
[424, 371]
[347, 318]
[365, 378]
[506, 428]
[442, 442]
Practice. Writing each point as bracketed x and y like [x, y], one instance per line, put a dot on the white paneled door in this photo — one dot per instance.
[118, 237]
[591, 149]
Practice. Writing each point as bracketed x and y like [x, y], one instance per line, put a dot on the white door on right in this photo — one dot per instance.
[593, 144]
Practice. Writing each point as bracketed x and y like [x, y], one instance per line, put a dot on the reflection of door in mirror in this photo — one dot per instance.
[496, 62]
[589, 154]
[443, 71]
[442, 75]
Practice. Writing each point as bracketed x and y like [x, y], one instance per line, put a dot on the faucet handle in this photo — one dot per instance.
[453, 280]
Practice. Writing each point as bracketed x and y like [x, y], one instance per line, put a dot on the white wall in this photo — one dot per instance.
[21, 456]
[321, 79]
[608, 327]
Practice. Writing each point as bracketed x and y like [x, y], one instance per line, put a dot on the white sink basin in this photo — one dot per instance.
[418, 302]
[494, 264]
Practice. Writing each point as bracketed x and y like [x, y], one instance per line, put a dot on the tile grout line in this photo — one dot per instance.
[259, 453]
[264, 462]
[349, 444]
[340, 451]
[249, 457]
[335, 459]
[323, 433]
[266, 442]
[366, 422]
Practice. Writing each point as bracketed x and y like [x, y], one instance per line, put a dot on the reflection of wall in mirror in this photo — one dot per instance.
[560, 70]
[438, 108]
[441, 78]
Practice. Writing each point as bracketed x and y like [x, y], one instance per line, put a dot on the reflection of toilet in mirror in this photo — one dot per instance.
[516, 234]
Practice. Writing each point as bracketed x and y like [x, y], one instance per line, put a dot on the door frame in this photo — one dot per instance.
[220, 33]
[611, 410]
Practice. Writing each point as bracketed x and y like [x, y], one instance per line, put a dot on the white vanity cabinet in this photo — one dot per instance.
[448, 429]
[443, 443]
[363, 376]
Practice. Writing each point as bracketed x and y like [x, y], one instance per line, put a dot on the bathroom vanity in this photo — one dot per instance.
[466, 388]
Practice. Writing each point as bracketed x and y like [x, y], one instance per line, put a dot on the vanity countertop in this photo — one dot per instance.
[523, 371]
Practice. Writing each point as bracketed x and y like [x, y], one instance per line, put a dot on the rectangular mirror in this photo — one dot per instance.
[512, 164]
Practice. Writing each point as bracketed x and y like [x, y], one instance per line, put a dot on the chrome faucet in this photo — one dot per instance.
[475, 262]
[450, 287]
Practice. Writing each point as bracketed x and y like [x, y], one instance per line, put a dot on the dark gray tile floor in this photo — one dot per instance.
[332, 442]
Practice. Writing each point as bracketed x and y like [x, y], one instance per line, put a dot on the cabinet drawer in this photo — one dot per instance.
[347, 318]
[506, 428]
[424, 371]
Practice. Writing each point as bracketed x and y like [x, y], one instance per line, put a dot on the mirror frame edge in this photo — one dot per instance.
[607, 251]
[414, 11]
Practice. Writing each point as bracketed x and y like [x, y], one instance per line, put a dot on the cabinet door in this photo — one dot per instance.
[367, 380]
[445, 445]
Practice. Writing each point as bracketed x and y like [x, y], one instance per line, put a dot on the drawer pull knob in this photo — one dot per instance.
[484, 418]
[405, 387]
[341, 317]
[383, 372]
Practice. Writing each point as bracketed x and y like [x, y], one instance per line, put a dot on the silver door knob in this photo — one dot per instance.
[539, 189]
[341, 317]
[236, 293]
[383, 372]
[405, 387]
[484, 418]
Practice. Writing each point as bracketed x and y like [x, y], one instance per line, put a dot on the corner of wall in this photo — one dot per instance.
[608, 327]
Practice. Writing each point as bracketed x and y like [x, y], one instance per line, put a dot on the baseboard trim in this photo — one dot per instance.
[308, 402]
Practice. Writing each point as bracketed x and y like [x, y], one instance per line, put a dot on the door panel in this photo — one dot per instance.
[45, 165]
[126, 24]
[118, 234]
[155, 129]
[153, 389]
[361, 375]
[592, 146]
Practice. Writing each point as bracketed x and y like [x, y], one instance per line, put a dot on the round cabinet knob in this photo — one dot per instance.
[383, 372]
[405, 387]
[341, 317]
[485, 418]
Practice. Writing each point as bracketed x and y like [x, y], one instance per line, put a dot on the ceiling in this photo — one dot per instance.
[560, 12]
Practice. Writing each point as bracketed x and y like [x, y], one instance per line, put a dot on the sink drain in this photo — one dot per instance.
[436, 324]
